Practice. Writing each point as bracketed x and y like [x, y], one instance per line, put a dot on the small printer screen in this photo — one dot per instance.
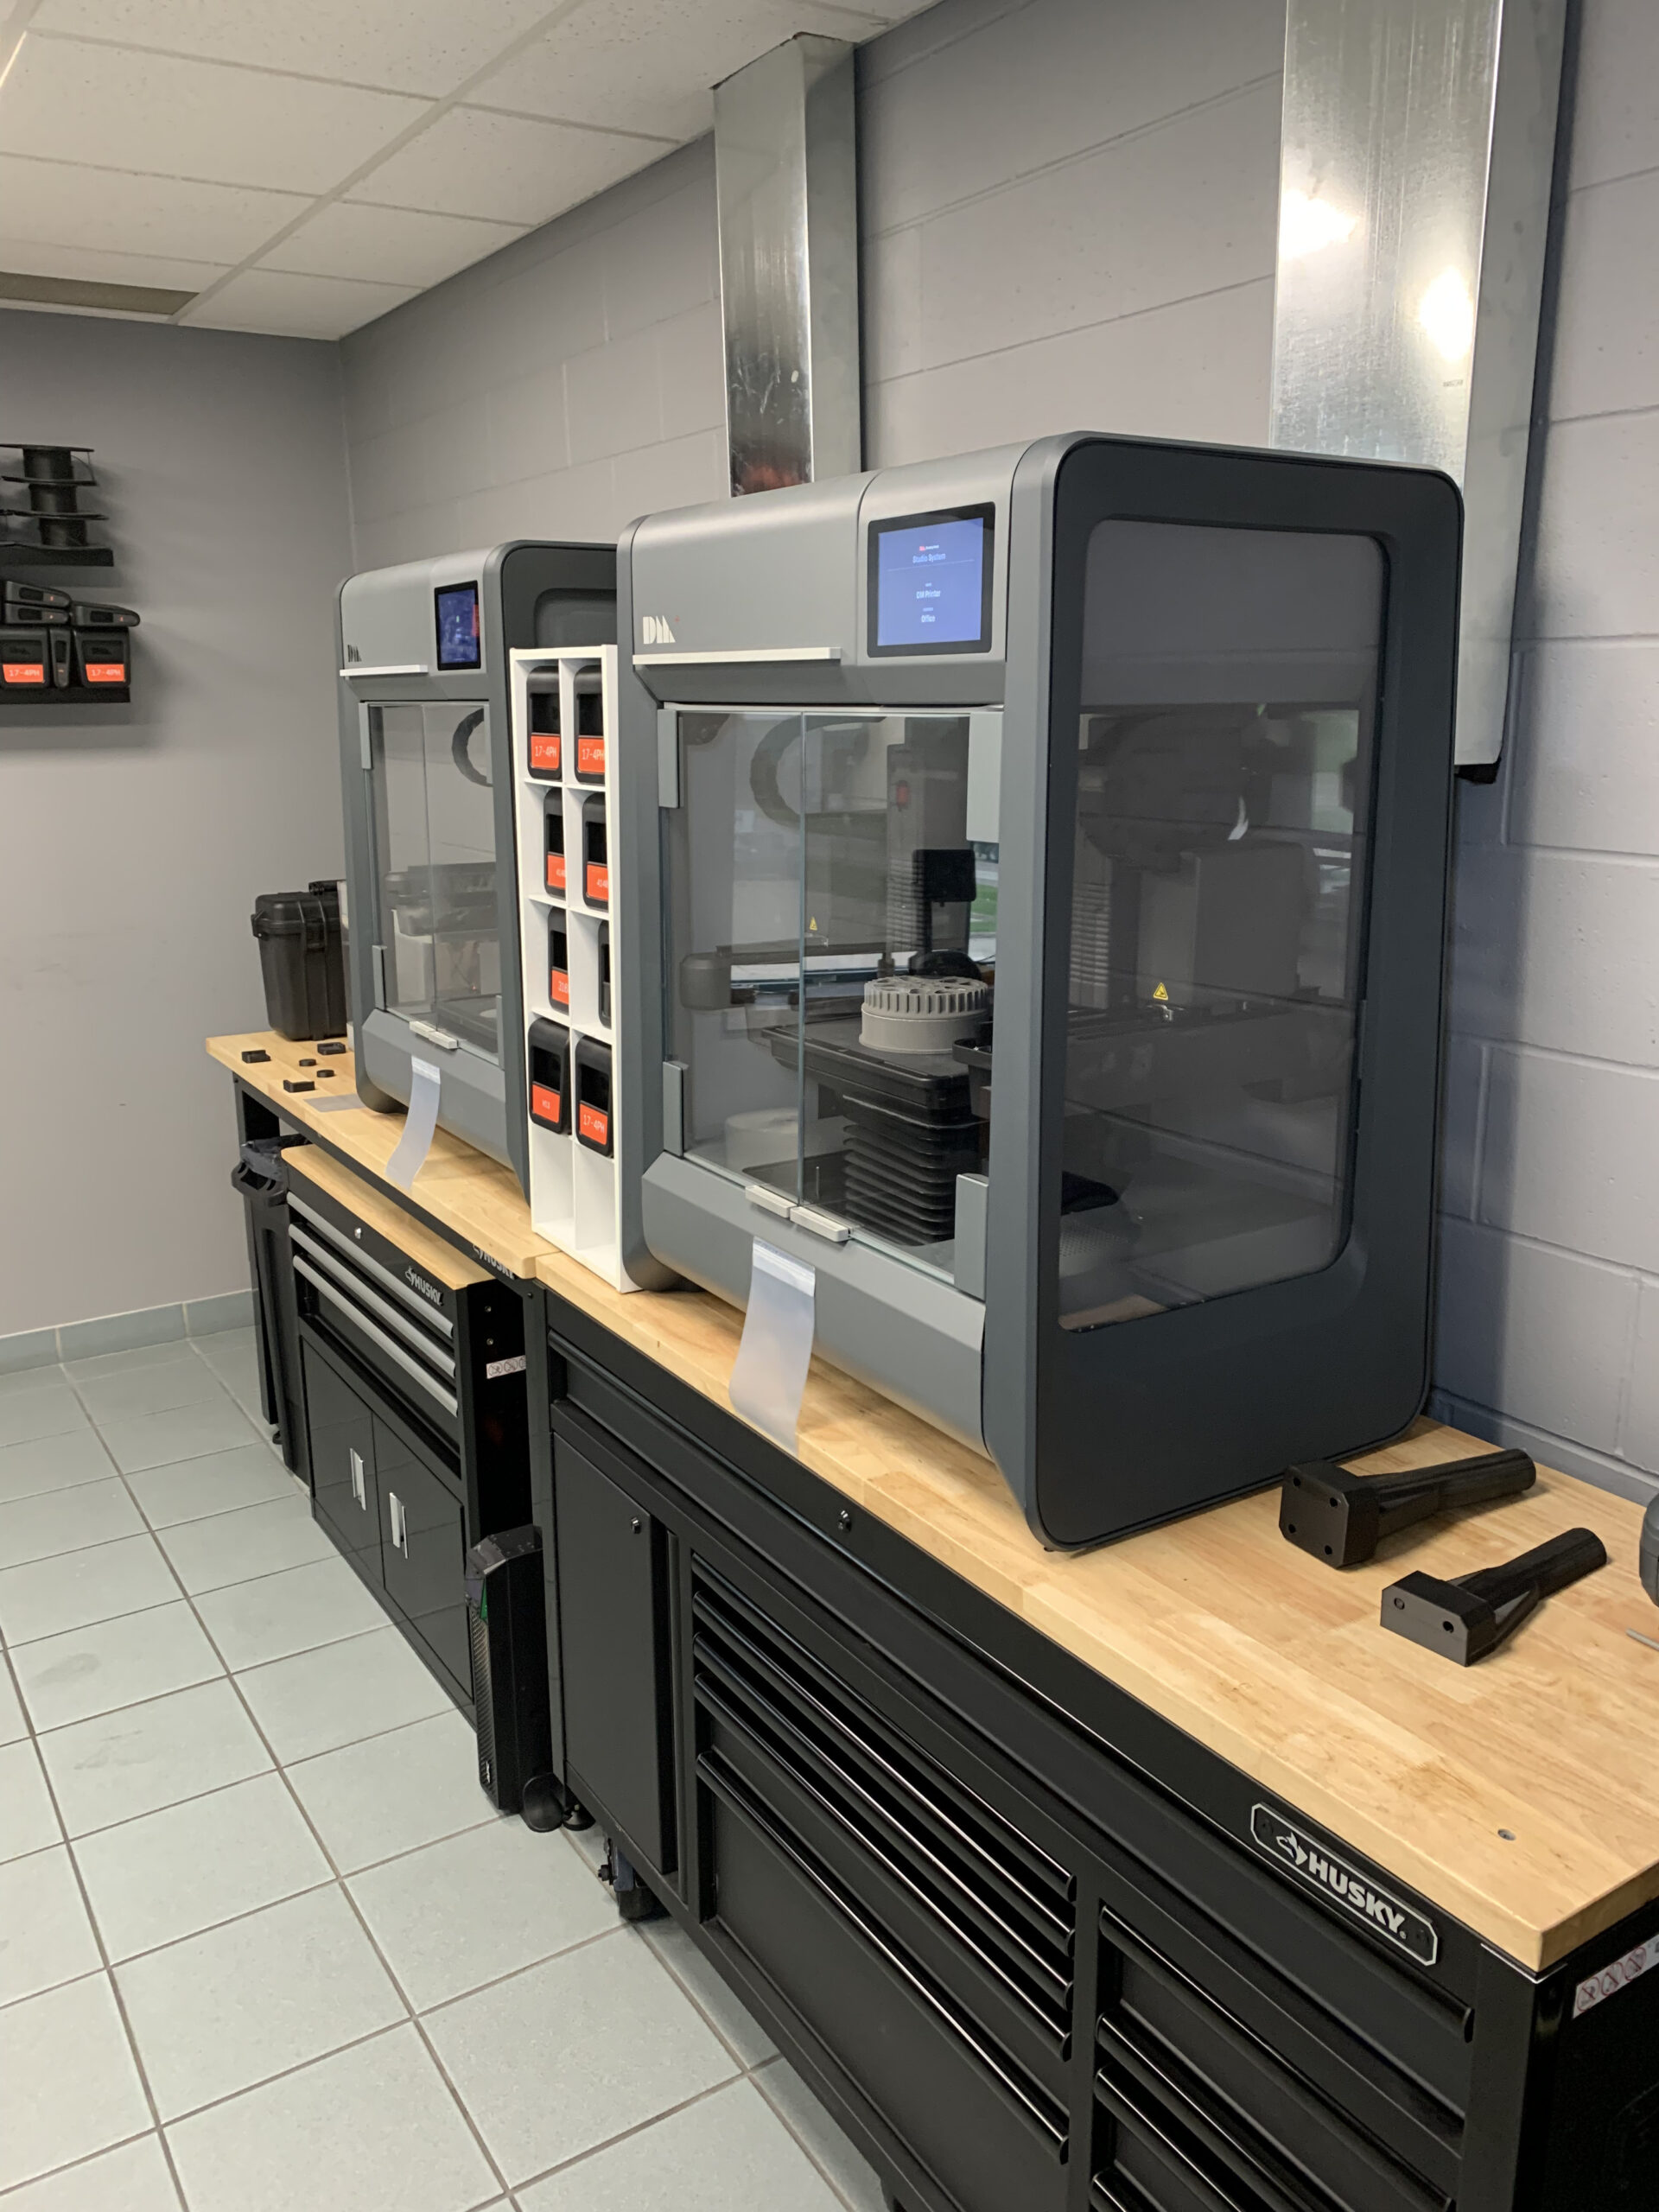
[458, 627]
[930, 583]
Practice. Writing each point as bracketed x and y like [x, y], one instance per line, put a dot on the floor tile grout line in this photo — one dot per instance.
[627, 2134]
[116, 1997]
[352, 1905]
[806, 2148]
[32, 2181]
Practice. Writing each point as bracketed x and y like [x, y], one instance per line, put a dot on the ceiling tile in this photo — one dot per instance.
[28, 258]
[271, 300]
[500, 166]
[148, 112]
[393, 245]
[409, 46]
[647, 65]
[62, 202]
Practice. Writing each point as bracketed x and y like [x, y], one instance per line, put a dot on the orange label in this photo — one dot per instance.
[590, 756]
[544, 751]
[558, 987]
[545, 1103]
[107, 672]
[593, 1125]
[555, 871]
[25, 671]
[599, 885]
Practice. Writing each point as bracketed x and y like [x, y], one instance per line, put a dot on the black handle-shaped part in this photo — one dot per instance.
[1564, 1560]
[1342, 1518]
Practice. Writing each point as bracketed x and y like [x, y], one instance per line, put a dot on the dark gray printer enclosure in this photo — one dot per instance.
[426, 769]
[1041, 863]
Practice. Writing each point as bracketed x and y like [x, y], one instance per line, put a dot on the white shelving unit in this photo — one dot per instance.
[573, 1186]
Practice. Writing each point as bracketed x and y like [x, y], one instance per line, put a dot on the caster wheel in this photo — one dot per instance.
[545, 1805]
[578, 1816]
[634, 1900]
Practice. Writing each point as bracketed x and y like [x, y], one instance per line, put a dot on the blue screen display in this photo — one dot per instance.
[458, 627]
[930, 579]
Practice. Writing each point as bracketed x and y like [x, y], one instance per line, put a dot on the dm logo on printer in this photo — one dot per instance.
[654, 631]
[1281, 1839]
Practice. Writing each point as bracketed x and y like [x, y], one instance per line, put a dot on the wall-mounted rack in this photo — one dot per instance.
[55, 650]
[570, 941]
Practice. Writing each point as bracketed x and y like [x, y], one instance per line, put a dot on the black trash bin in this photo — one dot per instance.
[261, 1181]
[303, 960]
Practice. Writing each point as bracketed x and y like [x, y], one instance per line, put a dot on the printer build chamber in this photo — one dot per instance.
[1079, 1023]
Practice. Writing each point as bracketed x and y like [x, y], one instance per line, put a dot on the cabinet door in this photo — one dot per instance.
[342, 1430]
[424, 1543]
[613, 1634]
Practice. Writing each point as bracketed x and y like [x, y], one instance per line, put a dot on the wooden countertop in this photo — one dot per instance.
[473, 1199]
[1272, 1661]
[1278, 1663]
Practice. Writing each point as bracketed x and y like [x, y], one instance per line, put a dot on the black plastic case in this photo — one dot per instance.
[549, 1076]
[302, 961]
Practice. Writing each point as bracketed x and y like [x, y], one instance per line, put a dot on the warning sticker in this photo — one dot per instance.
[1616, 1975]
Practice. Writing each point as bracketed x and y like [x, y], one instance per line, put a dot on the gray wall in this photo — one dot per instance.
[1549, 1332]
[132, 839]
[1069, 209]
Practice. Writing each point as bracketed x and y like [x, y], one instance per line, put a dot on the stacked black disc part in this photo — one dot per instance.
[49, 511]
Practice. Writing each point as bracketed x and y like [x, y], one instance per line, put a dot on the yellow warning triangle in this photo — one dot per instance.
[1162, 992]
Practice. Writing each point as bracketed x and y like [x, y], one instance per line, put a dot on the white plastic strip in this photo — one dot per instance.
[777, 1348]
[410, 1155]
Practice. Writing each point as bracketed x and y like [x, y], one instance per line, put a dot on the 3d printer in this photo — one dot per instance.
[1040, 863]
[432, 883]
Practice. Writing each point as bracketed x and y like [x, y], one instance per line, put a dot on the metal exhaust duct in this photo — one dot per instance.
[786, 185]
[1417, 152]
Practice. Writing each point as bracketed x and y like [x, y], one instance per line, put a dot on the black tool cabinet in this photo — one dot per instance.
[416, 1420]
[1038, 1950]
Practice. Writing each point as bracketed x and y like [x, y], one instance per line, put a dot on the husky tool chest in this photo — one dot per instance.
[414, 1373]
[1038, 1949]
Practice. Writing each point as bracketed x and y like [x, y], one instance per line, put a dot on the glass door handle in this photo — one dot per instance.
[440, 1038]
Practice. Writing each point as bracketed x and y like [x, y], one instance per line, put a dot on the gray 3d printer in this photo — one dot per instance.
[1047, 854]
[424, 760]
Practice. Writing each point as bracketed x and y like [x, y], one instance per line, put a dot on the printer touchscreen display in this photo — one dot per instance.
[930, 583]
[458, 627]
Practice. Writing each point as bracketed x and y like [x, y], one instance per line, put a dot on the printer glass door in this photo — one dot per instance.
[434, 869]
[1220, 875]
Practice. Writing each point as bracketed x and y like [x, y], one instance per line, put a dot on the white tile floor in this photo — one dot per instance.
[262, 1943]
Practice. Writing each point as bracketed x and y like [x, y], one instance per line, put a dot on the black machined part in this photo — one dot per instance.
[1333, 1515]
[911, 1128]
[1466, 1619]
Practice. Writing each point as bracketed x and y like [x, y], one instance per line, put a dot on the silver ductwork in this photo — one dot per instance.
[787, 188]
[1417, 154]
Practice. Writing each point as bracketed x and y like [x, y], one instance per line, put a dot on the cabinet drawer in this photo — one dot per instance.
[423, 1544]
[342, 1430]
[918, 2061]
[613, 1639]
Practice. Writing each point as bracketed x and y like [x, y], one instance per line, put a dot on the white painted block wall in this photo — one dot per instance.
[1549, 1302]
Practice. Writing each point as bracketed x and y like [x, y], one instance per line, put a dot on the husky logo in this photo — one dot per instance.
[654, 631]
[1287, 1845]
[419, 1282]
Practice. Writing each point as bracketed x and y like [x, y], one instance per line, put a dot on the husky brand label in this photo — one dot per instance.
[598, 884]
[546, 1104]
[593, 1125]
[555, 871]
[1617, 1975]
[1342, 1884]
[558, 987]
[544, 751]
[590, 756]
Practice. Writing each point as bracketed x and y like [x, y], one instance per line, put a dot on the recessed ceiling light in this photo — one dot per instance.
[77, 292]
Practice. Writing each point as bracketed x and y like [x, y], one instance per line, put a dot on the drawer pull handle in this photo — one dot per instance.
[394, 1352]
[399, 1523]
[359, 1487]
